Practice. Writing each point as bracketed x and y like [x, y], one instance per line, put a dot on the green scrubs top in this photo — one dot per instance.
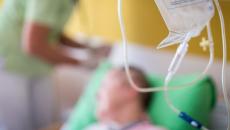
[13, 15]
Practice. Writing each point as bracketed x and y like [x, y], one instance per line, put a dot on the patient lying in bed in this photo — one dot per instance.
[120, 107]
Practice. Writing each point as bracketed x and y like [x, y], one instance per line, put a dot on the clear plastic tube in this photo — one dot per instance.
[174, 108]
[169, 102]
[224, 61]
[155, 89]
[165, 88]
[170, 75]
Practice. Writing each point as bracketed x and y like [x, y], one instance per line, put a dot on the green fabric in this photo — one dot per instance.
[198, 101]
[13, 15]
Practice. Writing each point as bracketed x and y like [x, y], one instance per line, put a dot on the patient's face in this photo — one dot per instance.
[115, 92]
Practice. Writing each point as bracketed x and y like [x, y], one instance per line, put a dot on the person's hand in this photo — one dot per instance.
[64, 40]
[101, 51]
[96, 55]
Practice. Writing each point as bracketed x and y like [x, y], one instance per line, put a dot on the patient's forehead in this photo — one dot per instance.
[121, 74]
[115, 73]
[115, 76]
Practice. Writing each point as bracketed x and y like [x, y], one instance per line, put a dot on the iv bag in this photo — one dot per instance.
[184, 16]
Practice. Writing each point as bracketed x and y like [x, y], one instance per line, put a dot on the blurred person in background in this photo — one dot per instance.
[126, 110]
[31, 44]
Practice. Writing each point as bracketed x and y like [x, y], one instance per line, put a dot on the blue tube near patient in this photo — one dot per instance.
[190, 120]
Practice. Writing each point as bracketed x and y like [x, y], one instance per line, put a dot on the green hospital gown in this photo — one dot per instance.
[13, 15]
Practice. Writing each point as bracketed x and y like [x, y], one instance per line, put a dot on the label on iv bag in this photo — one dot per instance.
[181, 3]
[183, 17]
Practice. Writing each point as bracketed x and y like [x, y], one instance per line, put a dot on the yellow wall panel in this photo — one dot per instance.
[142, 20]
[1, 1]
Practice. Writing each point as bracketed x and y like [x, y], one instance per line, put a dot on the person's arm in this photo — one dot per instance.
[35, 43]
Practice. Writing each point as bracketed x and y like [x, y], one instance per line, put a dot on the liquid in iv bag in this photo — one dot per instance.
[183, 17]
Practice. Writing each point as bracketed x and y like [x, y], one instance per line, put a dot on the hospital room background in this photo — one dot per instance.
[96, 22]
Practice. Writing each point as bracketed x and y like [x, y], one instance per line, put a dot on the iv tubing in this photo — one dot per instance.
[181, 86]
[155, 89]
[224, 61]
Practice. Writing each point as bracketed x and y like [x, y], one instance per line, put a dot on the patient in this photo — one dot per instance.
[120, 107]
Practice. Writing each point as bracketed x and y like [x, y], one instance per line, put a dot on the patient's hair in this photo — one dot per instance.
[141, 81]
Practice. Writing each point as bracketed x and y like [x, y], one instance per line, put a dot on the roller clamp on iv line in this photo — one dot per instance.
[183, 47]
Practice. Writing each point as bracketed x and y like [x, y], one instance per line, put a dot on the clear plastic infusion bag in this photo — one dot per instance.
[184, 16]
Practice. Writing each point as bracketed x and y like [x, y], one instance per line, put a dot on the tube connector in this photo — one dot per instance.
[190, 120]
